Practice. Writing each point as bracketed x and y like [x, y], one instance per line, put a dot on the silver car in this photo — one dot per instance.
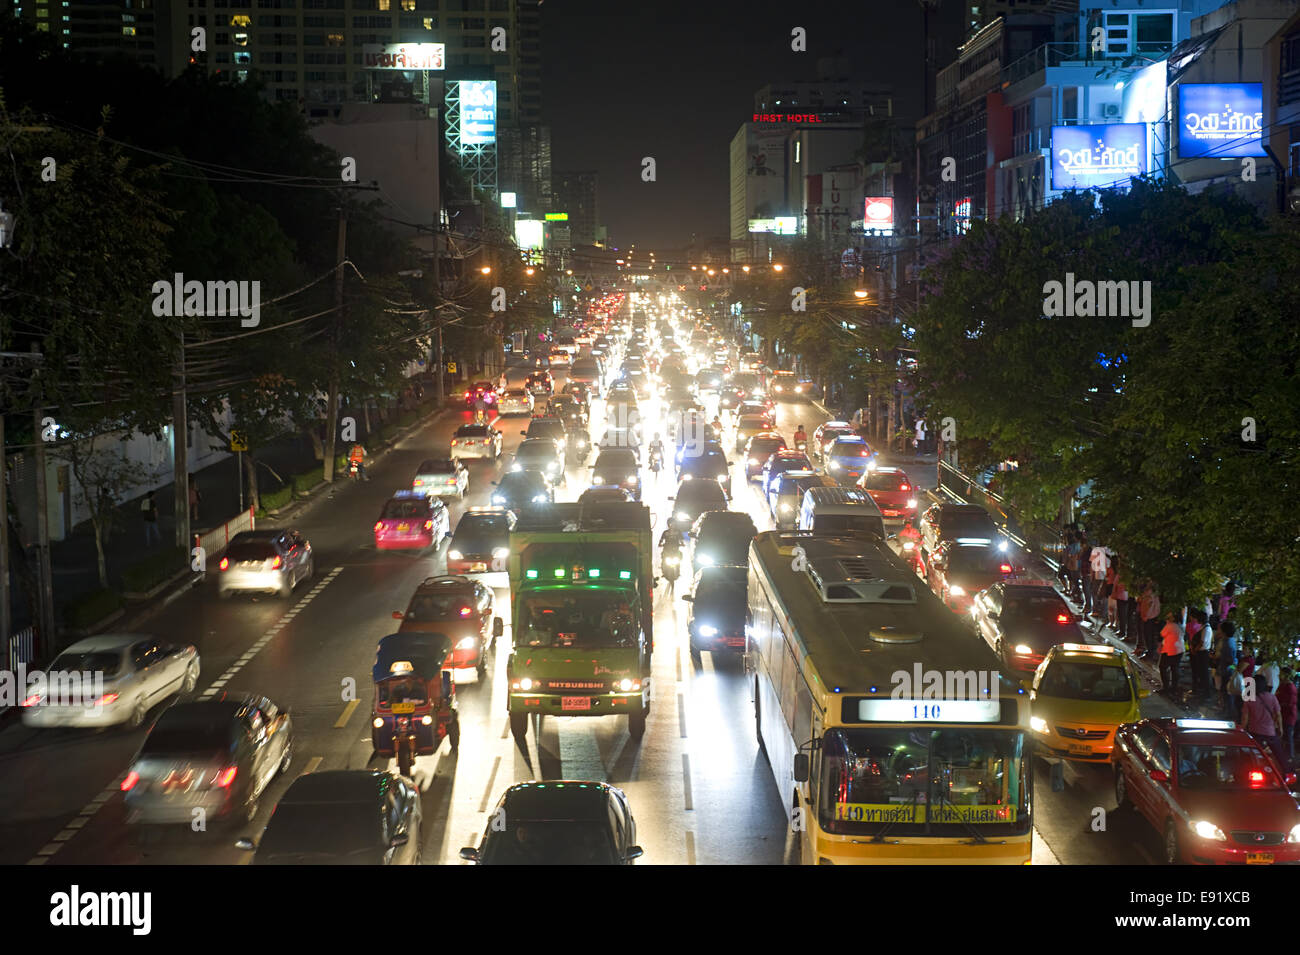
[476, 441]
[109, 680]
[273, 561]
[210, 760]
[445, 477]
[515, 401]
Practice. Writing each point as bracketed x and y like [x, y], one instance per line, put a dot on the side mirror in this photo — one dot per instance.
[469, 854]
[245, 843]
[498, 627]
[1159, 776]
[994, 615]
[400, 839]
[398, 615]
[633, 852]
[688, 597]
[801, 767]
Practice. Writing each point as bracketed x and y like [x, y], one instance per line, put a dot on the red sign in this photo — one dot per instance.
[788, 118]
[879, 213]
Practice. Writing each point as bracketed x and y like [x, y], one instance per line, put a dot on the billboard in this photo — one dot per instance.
[1220, 120]
[529, 233]
[781, 225]
[878, 213]
[1109, 154]
[403, 56]
[478, 112]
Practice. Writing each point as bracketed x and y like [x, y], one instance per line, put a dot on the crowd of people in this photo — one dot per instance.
[1258, 695]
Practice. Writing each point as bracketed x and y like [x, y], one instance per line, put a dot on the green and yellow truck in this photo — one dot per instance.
[582, 610]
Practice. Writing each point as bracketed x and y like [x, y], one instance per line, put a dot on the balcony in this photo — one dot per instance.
[1288, 87]
[1047, 55]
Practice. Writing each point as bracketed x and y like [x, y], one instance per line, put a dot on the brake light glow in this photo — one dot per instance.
[1062, 618]
[225, 777]
[32, 700]
[106, 699]
[129, 782]
[379, 526]
[905, 487]
[1005, 568]
[225, 563]
[1256, 779]
[465, 611]
[277, 562]
[428, 525]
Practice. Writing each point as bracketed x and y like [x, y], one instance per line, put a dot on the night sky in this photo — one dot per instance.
[675, 80]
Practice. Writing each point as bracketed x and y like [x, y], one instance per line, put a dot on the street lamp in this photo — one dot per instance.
[486, 270]
[745, 268]
[778, 267]
[860, 293]
[529, 271]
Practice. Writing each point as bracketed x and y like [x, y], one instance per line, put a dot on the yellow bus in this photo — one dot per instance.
[891, 735]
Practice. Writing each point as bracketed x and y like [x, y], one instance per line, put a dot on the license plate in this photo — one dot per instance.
[575, 702]
[403, 528]
[1259, 858]
[403, 707]
[735, 641]
[477, 567]
[1080, 749]
[890, 513]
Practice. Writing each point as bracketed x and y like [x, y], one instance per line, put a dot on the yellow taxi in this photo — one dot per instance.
[1081, 694]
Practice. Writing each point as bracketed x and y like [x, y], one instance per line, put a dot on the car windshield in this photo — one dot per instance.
[439, 466]
[763, 448]
[472, 431]
[919, 781]
[336, 829]
[1031, 610]
[587, 620]
[250, 550]
[549, 428]
[545, 451]
[401, 510]
[967, 524]
[752, 422]
[475, 529]
[107, 662]
[725, 545]
[427, 608]
[522, 482]
[1084, 680]
[616, 461]
[709, 462]
[1226, 769]
[188, 736]
[975, 560]
[849, 449]
[551, 843]
[876, 481]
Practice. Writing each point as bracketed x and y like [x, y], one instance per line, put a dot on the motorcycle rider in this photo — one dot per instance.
[670, 557]
[357, 459]
[656, 454]
[801, 438]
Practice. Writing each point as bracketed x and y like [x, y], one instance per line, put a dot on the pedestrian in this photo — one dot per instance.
[1085, 572]
[1267, 671]
[1262, 718]
[1226, 602]
[1287, 697]
[1112, 602]
[1199, 642]
[1171, 652]
[149, 512]
[1072, 565]
[1232, 690]
[1120, 593]
[1149, 614]
[1225, 658]
[1100, 564]
[195, 499]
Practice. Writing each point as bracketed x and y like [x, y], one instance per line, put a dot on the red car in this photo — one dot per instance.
[481, 389]
[412, 519]
[893, 492]
[1213, 791]
[961, 568]
[459, 608]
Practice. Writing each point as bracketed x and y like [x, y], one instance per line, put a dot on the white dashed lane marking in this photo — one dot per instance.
[75, 825]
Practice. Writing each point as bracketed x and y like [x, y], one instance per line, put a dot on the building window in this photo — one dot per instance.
[1069, 102]
[334, 39]
[1155, 32]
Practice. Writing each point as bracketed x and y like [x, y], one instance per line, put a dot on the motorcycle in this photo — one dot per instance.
[356, 470]
[801, 447]
[672, 561]
[656, 460]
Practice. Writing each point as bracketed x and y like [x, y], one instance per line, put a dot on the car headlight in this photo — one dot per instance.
[682, 516]
[498, 498]
[516, 466]
[1208, 830]
[672, 561]
[631, 479]
[465, 643]
[909, 545]
[835, 465]
[705, 559]
[688, 477]
[707, 631]
[1023, 649]
[500, 553]
[455, 555]
[526, 684]
[753, 460]
[1038, 724]
[911, 503]
[957, 590]
[582, 443]
[540, 498]
[785, 508]
[1294, 835]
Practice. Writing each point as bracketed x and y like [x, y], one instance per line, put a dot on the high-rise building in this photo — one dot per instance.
[577, 194]
[139, 29]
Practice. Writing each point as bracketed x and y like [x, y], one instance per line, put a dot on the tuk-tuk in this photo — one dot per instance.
[415, 701]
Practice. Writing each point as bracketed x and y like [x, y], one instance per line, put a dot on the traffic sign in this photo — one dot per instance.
[451, 368]
[238, 441]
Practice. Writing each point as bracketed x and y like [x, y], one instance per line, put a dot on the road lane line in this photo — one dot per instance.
[50, 848]
[505, 730]
[348, 710]
[312, 765]
[487, 790]
[686, 780]
[681, 715]
[690, 847]
[78, 822]
[678, 660]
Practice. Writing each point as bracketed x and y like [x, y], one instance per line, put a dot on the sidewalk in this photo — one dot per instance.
[73, 560]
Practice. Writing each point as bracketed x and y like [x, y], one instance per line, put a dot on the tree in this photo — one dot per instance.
[103, 479]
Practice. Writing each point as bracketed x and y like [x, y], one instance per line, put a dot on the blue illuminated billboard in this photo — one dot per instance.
[1085, 157]
[478, 112]
[1220, 120]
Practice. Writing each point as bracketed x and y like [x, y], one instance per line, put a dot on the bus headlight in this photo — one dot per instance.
[1038, 724]
[526, 684]
[707, 631]
[377, 722]
[627, 686]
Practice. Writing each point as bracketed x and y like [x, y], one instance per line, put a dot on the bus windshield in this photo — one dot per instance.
[923, 781]
[846, 524]
[587, 620]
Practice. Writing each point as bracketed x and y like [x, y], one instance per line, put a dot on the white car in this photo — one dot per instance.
[559, 357]
[109, 680]
[515, 401]
[442, 476]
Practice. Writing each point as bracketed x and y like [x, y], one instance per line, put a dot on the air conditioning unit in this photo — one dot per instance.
[1110, 109]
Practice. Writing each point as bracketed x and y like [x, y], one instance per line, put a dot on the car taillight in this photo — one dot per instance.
[129, 782]
[31, 700]
[379, 526]
[904, 487]
[1062, 618]
[1005, 568]
[224, 777]
[106, 699]
[428, 525]
[465, 611]
[225, 563]
[277, 562]
[1256, 779]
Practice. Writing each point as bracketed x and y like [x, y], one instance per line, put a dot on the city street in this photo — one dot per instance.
[697, 784]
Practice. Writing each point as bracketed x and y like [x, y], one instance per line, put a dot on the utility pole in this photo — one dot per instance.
[6, 623]
[181, 455]
[45, 614]
[440, 385]
[332, 404]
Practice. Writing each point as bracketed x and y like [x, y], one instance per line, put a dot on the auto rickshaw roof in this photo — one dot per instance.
[424, 652]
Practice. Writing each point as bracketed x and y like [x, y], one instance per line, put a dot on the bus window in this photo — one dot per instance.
[789, 675]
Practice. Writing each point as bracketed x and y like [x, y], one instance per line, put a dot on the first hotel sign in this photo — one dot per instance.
[404, 56]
